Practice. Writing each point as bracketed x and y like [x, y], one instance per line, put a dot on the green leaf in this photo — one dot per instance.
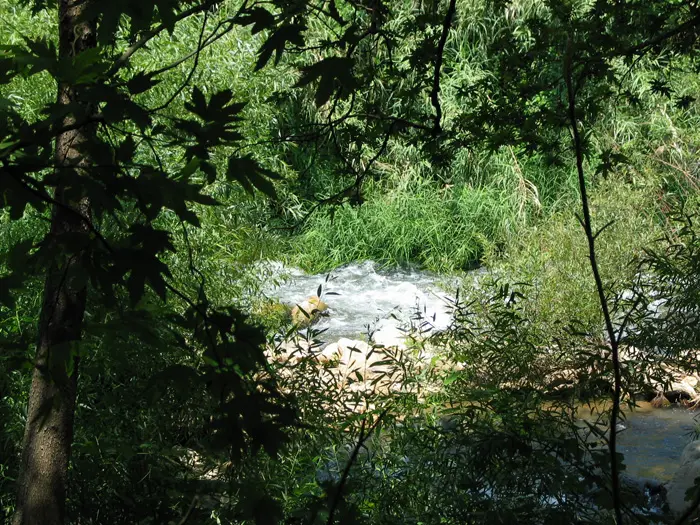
[685, 101]
[260, 18]
[332, 73]
[124, 153]
[277, 41]
[189, 170]
[454, 376]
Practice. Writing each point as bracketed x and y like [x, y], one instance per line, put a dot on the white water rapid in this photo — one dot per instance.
[362, 297]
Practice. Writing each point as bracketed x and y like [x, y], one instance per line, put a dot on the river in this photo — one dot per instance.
[654, 438]
[363, 297]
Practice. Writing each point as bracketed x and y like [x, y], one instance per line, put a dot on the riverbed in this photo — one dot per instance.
[365, 299]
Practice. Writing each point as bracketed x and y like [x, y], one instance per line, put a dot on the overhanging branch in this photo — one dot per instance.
[435, 92]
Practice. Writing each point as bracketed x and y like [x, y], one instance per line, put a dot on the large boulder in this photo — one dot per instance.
[351, 357]
[684, 478]
[308, 311]
[389, 336]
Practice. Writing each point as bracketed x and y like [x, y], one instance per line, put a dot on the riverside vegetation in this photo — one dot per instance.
[154, 154]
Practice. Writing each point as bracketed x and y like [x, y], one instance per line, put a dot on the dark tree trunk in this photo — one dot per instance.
[41, 486]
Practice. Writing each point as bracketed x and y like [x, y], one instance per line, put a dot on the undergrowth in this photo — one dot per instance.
[441, 220]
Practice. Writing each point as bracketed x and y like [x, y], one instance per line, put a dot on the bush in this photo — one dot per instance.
[551, 256]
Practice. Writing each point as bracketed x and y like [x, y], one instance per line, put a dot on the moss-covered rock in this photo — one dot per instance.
[272, 314]
[307, 312]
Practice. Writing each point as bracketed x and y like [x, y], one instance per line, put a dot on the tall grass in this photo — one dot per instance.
[441, 228]
[444, 221]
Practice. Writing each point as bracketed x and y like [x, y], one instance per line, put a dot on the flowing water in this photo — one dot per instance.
[654, 438]
[369, 298]
[362, 297]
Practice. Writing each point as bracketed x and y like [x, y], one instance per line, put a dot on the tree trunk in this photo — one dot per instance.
[41, 486]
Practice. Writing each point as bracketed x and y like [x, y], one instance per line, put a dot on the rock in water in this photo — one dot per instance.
[684, 478]
[308, 311]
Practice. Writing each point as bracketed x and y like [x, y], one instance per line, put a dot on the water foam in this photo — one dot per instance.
[361, 298]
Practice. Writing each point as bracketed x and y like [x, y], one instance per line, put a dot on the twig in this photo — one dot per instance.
[690, 510]
[189, 511]
[356, 451]
[187, 80]
[212, 38]
[687, 174]
[150, 35]
[689, 24]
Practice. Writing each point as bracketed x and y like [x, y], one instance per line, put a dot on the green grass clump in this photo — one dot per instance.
[443, 222]
[441, 229]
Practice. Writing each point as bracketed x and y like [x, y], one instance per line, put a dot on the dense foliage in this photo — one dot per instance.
[155, 155]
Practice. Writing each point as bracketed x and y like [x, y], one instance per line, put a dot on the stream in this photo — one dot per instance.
[372, 299]
[654, 438]
[369, 298]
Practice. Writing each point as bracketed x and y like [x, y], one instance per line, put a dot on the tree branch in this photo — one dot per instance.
[188, 79]
[689, 24]
[364, 436]
[435, 93]
[150, 35]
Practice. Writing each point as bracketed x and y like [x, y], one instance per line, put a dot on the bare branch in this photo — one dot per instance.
[364, 436]
[150, 35]
[689, 24]
[187, 80]
[591, 237]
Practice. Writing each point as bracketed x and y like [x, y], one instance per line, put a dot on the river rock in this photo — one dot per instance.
[351, 357]
[291, 352]
[686, 386]
[682, 389]
[351, 353]
[308, 311]
[684, 478]
[641, 486]
[390, 336]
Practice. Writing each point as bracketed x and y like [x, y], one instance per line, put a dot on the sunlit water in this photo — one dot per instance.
[654, 438]
[362, 297]
[365, 298]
